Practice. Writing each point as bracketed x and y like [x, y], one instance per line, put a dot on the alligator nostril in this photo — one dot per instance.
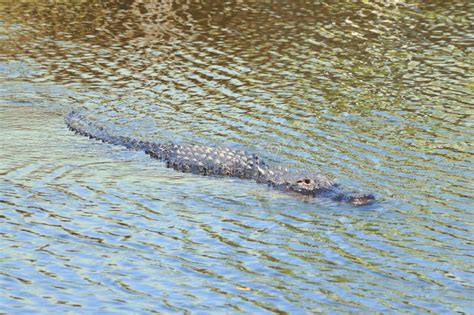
[307, 181]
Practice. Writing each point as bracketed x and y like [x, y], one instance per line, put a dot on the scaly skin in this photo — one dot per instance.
[204, 160]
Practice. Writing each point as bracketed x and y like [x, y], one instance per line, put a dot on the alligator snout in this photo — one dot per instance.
[356, 199]
[361, 199]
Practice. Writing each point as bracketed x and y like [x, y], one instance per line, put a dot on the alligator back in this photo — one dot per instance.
[187, 158]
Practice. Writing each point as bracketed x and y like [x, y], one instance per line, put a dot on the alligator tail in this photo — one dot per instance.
[81, 125]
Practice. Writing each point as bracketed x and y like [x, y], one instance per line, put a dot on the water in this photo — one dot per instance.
[378, 96]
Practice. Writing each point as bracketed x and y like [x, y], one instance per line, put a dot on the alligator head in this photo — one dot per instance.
[320, 185]
[309, 185]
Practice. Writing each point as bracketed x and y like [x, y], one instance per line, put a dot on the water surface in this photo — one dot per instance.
[377, 96]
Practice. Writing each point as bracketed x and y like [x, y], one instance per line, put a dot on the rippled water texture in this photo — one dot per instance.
[378, 95]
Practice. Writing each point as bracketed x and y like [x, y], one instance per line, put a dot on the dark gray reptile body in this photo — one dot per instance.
[204, 160]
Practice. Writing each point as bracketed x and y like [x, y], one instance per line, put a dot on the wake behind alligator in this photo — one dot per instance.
[214, 161]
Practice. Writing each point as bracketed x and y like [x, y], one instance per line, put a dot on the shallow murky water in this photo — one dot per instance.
[376, 95]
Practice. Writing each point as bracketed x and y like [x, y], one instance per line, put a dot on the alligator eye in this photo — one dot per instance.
[306, 181]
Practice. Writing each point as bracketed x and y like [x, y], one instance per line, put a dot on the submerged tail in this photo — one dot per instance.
[83, 126]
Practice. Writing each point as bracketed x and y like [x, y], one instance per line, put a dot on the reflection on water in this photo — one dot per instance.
[377, 95]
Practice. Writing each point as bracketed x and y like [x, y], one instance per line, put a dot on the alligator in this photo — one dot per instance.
[221, 161]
